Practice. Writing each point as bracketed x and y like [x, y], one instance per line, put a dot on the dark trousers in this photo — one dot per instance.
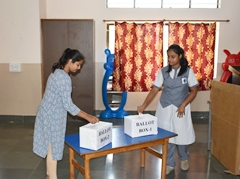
[182, 153]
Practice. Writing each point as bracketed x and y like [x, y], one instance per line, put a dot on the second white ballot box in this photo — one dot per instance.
[140, 125]
[95, 136]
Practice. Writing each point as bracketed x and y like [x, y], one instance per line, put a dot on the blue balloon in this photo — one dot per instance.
[109, 112]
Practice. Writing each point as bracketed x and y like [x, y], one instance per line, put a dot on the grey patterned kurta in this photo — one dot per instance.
[51, 118]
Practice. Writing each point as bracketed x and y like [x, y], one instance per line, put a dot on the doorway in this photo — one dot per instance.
[57, 35]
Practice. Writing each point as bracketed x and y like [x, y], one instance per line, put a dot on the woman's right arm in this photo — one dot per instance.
[65, 90]
[88, 117]
[151, 95]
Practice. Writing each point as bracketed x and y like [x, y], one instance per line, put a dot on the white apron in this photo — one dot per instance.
[168, 120]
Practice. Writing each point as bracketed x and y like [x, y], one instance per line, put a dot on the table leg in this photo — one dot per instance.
[71, 166]
[164, 158]
[209, 126]
[143, 153]
[87, 167]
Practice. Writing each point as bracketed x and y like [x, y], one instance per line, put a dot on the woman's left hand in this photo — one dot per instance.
[181, 111]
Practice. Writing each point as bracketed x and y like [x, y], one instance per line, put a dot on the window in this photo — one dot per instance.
[148, 3]
[111, 41]
[162, 3]
[120, 3]
[110, 37]
[176, 4]
[204, 4]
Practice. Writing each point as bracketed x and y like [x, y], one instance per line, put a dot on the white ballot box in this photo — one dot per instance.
[140, 125]
[95, 136]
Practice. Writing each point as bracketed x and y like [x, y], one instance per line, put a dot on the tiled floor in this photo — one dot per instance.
[17, 161]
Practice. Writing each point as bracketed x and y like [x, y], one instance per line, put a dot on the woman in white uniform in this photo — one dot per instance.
[173, 111]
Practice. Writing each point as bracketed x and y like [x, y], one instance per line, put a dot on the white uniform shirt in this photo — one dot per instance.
[192, 81]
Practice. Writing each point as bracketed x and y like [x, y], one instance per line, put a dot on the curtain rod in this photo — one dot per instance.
[170, 20]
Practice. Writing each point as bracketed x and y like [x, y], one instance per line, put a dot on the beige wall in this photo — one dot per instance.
[20, 32]
[42, 9]
[20, 91]
[20, 42]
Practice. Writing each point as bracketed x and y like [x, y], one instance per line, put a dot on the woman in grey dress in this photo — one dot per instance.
[51, 118]
[173, 110]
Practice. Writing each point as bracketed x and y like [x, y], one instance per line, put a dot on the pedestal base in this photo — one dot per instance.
[106, 114]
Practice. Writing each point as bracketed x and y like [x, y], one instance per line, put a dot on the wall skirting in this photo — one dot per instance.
[198, 117]
[17, 119]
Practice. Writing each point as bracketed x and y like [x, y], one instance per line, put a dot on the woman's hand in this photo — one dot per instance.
[151, 95]
[181, 111]
[92, 119]
[88, 117]
[140, 109]
[191, 96]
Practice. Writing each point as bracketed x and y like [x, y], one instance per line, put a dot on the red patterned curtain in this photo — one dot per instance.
[198, 41]
[138, 55]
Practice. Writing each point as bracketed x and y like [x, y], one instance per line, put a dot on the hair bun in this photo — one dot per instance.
[67, 50]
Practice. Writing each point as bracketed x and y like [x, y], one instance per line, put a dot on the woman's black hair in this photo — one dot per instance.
[183, 61]
[68, 54]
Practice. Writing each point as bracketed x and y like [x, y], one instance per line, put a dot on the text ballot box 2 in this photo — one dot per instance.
[95, 136]
[140, 125]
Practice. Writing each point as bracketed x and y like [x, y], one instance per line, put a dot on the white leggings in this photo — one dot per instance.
[51, 164]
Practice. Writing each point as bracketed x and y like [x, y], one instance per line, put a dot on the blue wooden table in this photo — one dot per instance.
[121, 142]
